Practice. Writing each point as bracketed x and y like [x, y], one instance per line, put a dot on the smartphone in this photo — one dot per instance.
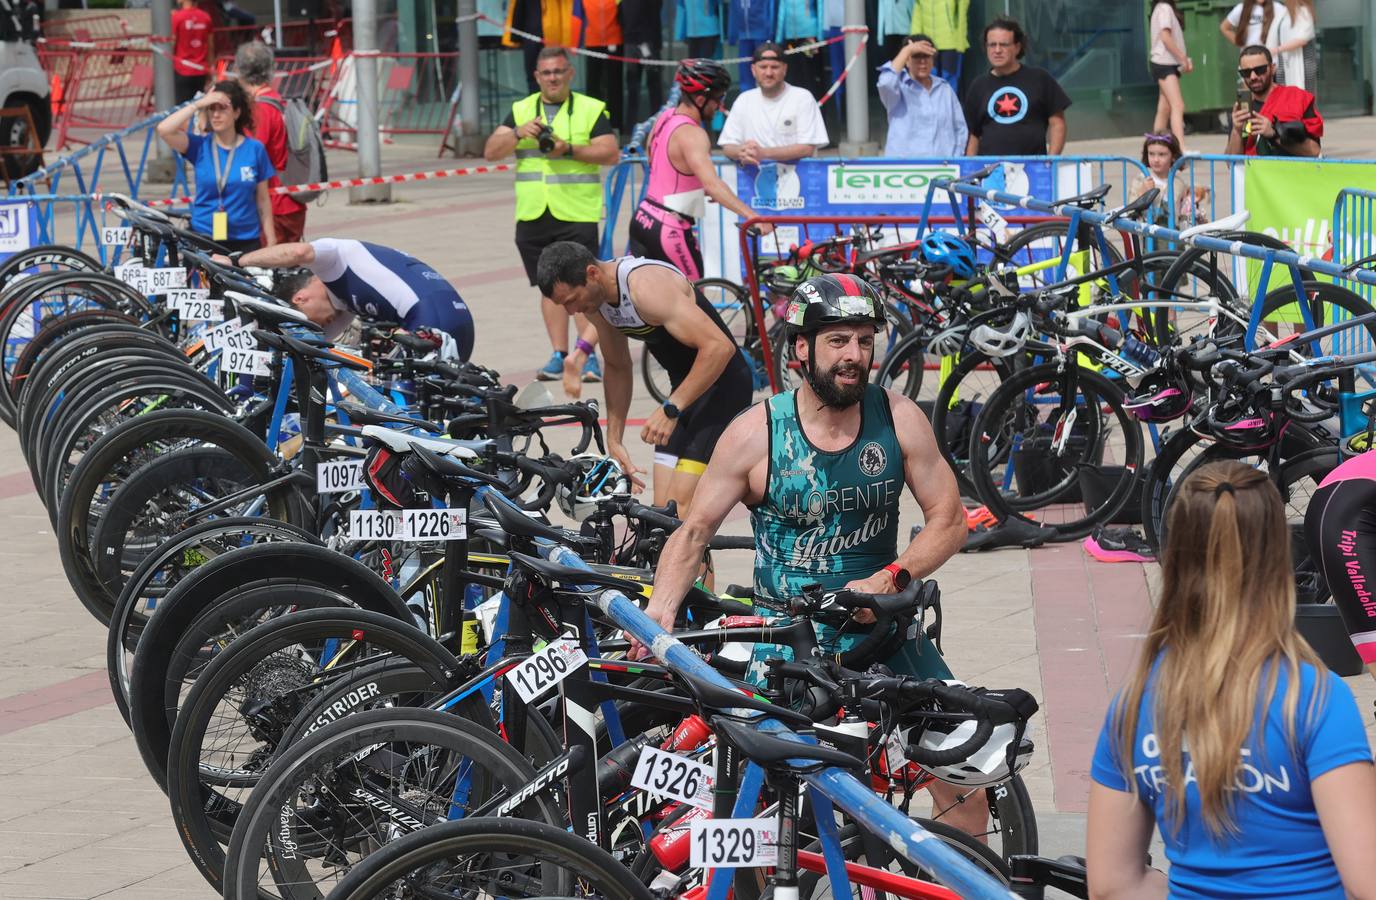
[1244, 97]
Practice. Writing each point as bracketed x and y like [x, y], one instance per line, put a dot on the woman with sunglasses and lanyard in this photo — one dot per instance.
[231, 205]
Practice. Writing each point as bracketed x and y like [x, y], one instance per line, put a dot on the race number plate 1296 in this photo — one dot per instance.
[557, 661]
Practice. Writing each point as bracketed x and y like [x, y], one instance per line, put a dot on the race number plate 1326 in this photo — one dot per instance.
[673, 776]
[733, 843]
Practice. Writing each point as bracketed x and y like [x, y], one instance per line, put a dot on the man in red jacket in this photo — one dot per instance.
[1280, 120]
[191, 31]
[253, 64]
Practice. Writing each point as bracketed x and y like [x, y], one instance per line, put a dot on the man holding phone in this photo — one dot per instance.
[1272, 119]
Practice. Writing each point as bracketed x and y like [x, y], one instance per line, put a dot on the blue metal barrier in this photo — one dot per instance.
[87, 166]
[1354, 232]
[858, 800]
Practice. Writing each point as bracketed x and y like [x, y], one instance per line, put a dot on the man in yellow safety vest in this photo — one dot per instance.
[560, 139]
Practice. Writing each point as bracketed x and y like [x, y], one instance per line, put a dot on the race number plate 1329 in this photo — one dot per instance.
[733, 843]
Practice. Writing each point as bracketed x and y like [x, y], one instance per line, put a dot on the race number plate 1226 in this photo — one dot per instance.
[733, 843]
[547, 668]
[670, 775]
[434, 524]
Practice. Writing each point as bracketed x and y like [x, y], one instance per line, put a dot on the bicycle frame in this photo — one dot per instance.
[829, 785]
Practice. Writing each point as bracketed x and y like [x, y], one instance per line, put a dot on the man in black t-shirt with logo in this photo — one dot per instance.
[1015, 110]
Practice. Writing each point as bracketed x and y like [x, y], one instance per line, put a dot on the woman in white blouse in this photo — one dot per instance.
[1292, 39]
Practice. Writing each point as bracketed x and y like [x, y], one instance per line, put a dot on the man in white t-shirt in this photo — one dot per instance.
[774, 121]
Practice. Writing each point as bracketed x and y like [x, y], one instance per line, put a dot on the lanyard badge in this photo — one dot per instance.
[219, 220]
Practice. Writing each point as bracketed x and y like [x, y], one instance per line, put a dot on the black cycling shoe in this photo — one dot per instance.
[1010, 533]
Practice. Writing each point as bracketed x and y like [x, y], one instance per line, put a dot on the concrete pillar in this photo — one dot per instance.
[857, 142]
[365, 71]
[470, 94]
[160, 168]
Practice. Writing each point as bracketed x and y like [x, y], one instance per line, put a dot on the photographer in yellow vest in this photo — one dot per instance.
[560, 138]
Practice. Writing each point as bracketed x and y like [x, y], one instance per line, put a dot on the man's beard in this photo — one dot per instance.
[838, 396]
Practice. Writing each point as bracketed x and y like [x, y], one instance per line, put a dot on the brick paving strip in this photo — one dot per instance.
[1089, 619]
[55, 701]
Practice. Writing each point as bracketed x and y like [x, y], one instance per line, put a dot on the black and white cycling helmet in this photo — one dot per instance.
[988, 764]
[1000, 342]
[841, 299]
[595, 478]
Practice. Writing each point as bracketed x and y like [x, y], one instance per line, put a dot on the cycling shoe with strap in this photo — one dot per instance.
[1012, 533]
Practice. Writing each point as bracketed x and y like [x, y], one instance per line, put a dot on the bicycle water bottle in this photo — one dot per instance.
[614, 770]
[1139, 352]
[690, 734]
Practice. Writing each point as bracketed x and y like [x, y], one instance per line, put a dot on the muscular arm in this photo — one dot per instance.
[691, 149]
[280, 256]
[1055, 134]
[726, 482]
[618, 376]
[666, 298]
[934, 485]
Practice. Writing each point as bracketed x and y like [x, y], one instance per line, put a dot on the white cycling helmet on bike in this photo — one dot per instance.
[988, 764]
[999, 342]
[595, 477]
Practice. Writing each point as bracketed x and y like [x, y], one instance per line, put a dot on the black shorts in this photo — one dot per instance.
[534, 236]
[701, 424]
[1160, 72]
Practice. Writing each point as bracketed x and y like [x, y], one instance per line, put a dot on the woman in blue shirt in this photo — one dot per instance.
[1231, 734]
[232, 206]
[925, 117]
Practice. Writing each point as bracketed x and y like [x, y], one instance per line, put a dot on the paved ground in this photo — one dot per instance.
[80, 818]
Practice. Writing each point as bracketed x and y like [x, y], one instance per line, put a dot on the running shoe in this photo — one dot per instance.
[592, 370]
[554, 369]
[1119, 545]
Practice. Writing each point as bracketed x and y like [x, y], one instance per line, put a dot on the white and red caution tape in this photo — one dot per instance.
[365, 182]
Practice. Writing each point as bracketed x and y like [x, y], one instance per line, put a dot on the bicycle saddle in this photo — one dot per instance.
[774, 751]
[400, 442]
[1088, 199]
[1227, 223]
[571, 577]
[515, 522]
[268, 314]
[1133, 208]
[361, 415]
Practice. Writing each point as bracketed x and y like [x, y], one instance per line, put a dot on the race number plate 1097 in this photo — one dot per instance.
[733, 843]
[545, 669]
[339, 476]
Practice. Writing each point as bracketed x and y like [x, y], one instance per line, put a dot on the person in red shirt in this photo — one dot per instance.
[253, 64]
[1280, 120]
[191, 33]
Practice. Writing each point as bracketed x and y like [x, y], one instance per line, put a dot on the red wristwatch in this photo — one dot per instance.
[901, 576]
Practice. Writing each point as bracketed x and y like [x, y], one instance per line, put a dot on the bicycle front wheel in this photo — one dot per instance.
[490, 857]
